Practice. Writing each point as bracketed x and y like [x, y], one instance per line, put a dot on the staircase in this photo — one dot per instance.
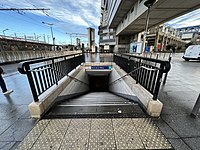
[96, 105]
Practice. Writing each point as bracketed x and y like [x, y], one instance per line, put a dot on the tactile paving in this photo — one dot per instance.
[95, 134]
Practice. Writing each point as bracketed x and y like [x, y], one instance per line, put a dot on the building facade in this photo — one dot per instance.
[164, 38]
[190, 34]
[107, 35]
[123, 22]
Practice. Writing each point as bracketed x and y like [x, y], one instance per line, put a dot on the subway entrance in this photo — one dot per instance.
[98, 83]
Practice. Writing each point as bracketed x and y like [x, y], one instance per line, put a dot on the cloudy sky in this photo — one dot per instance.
[190, 19]
[67, 16]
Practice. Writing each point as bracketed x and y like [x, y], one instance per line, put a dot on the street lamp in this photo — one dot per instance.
[4, 31]
[50, 24]
[148, 4]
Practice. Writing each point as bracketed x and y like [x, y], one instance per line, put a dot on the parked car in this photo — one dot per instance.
[192, 53]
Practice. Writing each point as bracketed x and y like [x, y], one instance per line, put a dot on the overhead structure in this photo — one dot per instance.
[128, 18]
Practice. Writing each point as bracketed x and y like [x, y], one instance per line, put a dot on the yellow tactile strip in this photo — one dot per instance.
[95, 134]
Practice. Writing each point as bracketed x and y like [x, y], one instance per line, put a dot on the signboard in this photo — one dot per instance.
[136, 47]
[101, 67]
[106, 47]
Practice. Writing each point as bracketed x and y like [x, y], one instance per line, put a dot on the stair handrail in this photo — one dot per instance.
[150, 69]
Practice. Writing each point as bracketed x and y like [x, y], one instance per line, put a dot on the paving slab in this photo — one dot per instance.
[122, 134]
[179, 144]
[193, 142]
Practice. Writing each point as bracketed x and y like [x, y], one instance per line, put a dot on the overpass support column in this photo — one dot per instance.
[163, 43]
[156, 41]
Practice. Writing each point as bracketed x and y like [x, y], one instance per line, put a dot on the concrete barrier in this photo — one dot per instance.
[16, 56]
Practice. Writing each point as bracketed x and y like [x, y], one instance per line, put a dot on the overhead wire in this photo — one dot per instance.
[38, 24]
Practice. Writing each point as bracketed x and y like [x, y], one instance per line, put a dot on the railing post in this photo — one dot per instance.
[196, 107]
[54, 73]
[31, 83]
[166, 74]
[158, 82]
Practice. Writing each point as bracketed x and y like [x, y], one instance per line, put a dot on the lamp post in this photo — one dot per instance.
[53, 38]
[148, 4]
[4, 31]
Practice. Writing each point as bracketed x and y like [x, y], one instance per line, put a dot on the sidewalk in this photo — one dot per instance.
[15, 120]
[178, 96]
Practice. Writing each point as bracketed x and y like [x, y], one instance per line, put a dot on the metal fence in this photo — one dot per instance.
[150, 71]
[44, 73]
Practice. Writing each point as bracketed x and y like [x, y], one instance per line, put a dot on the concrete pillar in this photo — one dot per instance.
[162, 43]
[156, 41]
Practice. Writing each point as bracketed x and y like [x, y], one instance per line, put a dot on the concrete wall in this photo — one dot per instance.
[66, 88]
[75, 87]
[128, 88]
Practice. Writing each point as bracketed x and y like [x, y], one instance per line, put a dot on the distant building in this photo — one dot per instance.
[162, 38]
[91, 39]
[123, 21]
[190, 34]
[107, 36]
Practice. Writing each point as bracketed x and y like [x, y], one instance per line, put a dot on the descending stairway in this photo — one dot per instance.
[96, 104]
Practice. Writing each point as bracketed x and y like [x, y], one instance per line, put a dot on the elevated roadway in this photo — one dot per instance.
[128, 16]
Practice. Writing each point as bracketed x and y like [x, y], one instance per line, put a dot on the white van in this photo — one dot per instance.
[192, 53]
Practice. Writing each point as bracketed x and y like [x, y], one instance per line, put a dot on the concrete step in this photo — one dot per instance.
[96, 104]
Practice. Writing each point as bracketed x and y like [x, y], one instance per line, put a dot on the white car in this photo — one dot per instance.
[192, 53]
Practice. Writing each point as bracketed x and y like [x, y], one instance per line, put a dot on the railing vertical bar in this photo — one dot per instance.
[41, 82]
[31, 83]
[53, 79]
[36, 82]
[159, 80]
[47, 77]
[153, 74]
[44, 78]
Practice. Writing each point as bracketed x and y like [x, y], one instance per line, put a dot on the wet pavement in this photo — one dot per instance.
[15, 120]
[178, 96]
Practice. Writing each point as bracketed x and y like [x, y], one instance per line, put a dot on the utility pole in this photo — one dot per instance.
[35, 36]
[148, 4]
[44, 38]
[76, 35]
[53, 38]
[48, 38]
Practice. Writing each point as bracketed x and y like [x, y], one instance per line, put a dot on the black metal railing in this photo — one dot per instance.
[44, 73]
[150, 73]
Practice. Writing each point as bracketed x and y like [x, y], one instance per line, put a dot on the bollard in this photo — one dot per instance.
[196, 107]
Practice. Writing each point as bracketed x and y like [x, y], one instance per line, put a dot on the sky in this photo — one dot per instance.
[67, 16]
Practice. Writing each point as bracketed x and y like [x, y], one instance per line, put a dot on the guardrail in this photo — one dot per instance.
[44, 73]
[150, 73]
